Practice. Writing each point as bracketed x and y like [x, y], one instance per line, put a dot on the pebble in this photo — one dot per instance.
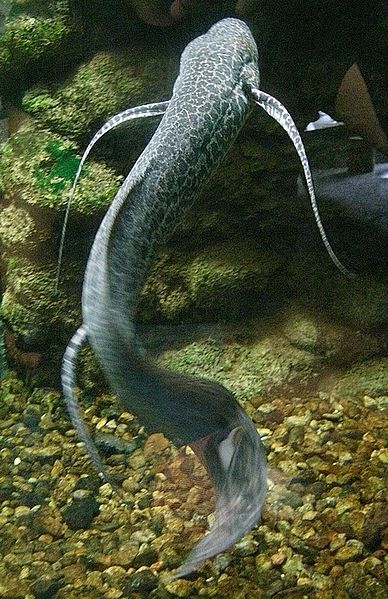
[80, 512]
[278, 559]
[316, 531]
[349, 552]
[155, 444]
[245, 547]
[293, 565]
[179, 588]
[381, 455]
[145, 557]
[142, 581]
[113, 572]
[21, 512]
[137, 460]
[45, 587]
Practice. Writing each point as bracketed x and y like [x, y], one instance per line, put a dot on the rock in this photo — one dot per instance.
[294, 565]
[45, 587]
[37, 169]
[31, 37]
[366, 586]
[109, 444]
[154, 445]
[146, 557]
[142, 581]
[80, 512]
[245, 547]
[367, 377]
[349, 552]
[179, 588]
[125, 79]
[46, 521]
[278, 559]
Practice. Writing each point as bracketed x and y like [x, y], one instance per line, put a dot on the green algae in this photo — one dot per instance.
[220, 281]
[249, 365]
[32, 34]
[365, 378]
[17, 227]
[38, 167]
[106, 84]
[205, 357]
[31, 304]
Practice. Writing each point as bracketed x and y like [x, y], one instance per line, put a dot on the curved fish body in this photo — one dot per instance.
[206, 111]
[216, 87]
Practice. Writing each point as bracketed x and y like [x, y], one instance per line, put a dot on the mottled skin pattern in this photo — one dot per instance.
[217, 84]
[207, 110]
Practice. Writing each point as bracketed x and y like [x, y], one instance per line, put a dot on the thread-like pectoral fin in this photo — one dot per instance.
[238, 471]
[68, 382]
[277, 111]
[155, 109]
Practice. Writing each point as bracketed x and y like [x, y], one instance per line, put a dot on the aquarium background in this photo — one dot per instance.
[242, 292]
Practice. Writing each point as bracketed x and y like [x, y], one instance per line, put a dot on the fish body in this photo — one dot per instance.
[207, 109]
[217, 86]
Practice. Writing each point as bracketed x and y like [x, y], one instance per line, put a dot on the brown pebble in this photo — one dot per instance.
[155, 444]
[278, 559]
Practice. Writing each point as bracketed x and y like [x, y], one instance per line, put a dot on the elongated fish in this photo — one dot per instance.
[217, 86]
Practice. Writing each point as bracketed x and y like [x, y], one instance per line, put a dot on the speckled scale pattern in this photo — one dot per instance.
[207, 109]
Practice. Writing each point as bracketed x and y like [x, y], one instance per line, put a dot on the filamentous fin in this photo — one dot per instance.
[277, 111]
[154, 109]
[69, 365]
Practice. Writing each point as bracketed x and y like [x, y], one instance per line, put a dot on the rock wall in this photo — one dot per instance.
[246, 246]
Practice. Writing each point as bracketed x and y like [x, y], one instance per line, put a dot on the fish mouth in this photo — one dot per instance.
[236, 463]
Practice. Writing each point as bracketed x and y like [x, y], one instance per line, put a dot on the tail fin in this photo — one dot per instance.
[154, 109]
[240, 497]
[278, 112]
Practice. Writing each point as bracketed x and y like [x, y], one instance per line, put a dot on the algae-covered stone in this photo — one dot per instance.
[220, 273]
[35, 31]
[332, 340]
[106, 84]
[361, 302]
[366, 378]
[205, 357]
[17, 227]
[249, 368]
[30, 302]
[222, 281]
[270, 362]
[37, 167]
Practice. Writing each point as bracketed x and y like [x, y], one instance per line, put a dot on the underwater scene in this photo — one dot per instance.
[194, 299]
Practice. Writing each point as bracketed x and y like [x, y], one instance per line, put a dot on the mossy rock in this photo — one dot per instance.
[31, 305]
[38, 167]
[365, 378]
[360, 303]
[219, 282]
[35, 31]
[243, 361]
[3, 353]
[363, 303]
[332, 340]
[17, 227]
[272, 362]
[109, 82]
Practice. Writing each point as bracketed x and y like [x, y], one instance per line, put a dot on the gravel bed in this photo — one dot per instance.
[64, 534]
